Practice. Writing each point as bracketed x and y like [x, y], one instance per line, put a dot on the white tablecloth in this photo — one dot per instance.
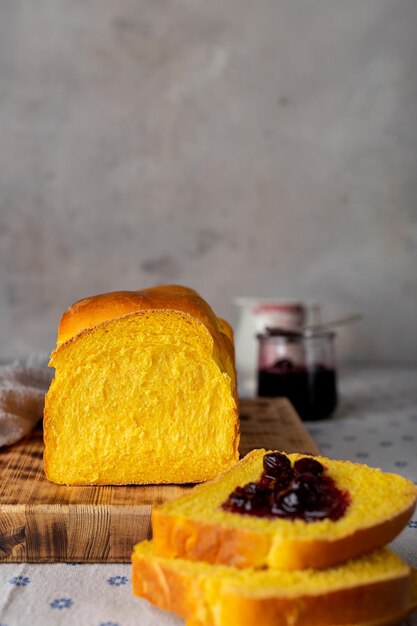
[376, 424]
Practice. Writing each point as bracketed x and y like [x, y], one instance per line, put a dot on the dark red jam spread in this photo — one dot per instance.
[302, 491]
[312, 391]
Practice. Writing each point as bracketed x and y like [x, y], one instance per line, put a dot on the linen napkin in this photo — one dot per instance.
[23, 384]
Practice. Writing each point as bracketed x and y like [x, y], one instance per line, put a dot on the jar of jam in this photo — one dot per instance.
[300, 367]
[255, 314]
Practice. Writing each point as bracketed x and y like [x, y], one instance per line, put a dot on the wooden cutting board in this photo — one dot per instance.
[44, 522]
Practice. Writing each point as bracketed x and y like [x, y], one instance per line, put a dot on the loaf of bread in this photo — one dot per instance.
[373, 590]
[196, 526]
[144, 391]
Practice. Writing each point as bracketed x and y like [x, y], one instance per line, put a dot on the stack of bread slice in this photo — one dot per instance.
[219, 567]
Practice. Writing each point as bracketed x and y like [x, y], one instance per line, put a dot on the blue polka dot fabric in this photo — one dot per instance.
[74, 595]
[376, 424]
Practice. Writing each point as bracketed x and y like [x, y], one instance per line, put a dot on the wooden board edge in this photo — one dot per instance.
[72, 535]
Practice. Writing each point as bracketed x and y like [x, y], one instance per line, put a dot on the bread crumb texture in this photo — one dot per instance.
[378, 565]
[148, 397]
[360, 591]
[375, 496]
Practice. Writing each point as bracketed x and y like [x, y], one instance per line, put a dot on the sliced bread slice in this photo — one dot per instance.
[373, 590]
[196, 527]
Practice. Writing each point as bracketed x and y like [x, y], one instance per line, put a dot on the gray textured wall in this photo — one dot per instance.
[240, 147]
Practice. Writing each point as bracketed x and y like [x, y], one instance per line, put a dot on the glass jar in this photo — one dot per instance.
[300, 367]
[256, 314]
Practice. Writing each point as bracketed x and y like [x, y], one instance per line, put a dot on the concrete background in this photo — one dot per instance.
[256, 148]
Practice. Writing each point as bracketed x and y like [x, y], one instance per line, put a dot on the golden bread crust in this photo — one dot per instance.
[217, 542]
[203, 541]
[165, 588]
[100, 308]
[377, 603]
[89, 312]
[344, 606]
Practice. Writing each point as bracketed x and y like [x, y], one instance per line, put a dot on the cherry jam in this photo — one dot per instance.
[313, 392]
[301, 367]
[302, 491]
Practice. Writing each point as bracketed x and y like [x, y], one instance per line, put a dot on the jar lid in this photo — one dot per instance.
[319, 331]
[293, 335]
[289, 335]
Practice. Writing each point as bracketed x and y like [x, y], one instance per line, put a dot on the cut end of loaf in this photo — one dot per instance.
[143, 398]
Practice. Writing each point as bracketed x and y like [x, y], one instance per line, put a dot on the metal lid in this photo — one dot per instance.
[293, 336]
[289, 335]
[319, 331]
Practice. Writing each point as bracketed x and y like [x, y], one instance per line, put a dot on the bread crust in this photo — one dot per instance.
[379, 603]
[387, 620]
[344, 606]
[91, 311]
[176, 535]
[194, 540]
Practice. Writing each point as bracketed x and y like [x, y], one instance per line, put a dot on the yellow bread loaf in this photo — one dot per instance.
[144, 391]
[373, 590]
[195, 526]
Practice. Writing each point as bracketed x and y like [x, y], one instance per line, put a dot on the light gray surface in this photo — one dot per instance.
[258, 148]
